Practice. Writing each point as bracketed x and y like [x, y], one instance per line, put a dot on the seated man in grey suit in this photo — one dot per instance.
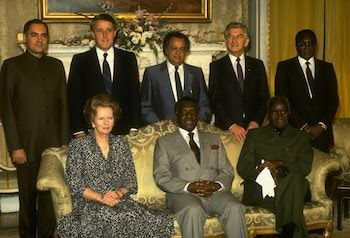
[191, 166]
[166, 83]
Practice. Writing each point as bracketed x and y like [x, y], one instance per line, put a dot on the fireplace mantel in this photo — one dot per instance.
[201, 55]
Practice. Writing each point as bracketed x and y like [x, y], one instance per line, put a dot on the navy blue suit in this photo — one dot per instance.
[157, 98]
[227, 101]
[86, 80]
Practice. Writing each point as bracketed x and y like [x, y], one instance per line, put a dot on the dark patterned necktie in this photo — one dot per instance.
[178, 84]
[240, 75]
[107, 75]
[194, 147]
[310, 79]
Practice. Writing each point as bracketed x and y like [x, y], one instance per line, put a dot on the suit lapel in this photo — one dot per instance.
[300, 77]
[204, 149]
[94, 65]
[188, 81]
[317, 77]
[248, 78]
[117, 67]
[184, 148]
[95, 62]
[165, 82]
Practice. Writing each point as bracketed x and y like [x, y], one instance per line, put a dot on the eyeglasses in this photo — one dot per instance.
[281, 112]
[303, 44]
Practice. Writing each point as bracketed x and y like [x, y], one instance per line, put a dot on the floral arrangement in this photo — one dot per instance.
[134, 33]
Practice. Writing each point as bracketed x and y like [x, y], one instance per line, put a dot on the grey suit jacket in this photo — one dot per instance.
[157, 98]
[175, 164]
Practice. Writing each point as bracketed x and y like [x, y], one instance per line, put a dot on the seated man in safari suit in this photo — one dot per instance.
[285, 153]
[191, 166]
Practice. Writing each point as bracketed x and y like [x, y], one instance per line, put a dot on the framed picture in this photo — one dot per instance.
[83, 10]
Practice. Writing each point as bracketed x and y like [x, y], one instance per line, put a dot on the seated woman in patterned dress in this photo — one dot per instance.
[101, 175]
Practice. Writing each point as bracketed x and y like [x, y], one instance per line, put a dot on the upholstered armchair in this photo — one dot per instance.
[318, 212]
[341, 131]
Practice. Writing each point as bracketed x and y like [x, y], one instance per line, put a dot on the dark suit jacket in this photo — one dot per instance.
[33, 104]
[292, 147]
[86, 80]
[227, 101]
[290, 82]
[157, 98]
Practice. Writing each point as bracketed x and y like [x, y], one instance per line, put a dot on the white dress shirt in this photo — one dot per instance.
[110, 59]
[302, 63]
[171, 71]
[234, 64]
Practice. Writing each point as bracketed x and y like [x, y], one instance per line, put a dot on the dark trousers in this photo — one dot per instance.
[36, 214]
[288, 203]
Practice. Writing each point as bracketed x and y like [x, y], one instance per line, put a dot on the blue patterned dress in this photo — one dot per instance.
[87, 168]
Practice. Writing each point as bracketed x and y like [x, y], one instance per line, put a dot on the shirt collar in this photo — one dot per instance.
[184, 133]
[100, 52]
[302, 61]
[234, 58]
[171, 67]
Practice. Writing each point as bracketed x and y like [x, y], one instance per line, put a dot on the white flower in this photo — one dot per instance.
[92, 43]
[139, 29]
[147, 34]
[143, 40]
[136, 38]
[85, 41]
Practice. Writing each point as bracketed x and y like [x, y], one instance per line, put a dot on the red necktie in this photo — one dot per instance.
[240, 75]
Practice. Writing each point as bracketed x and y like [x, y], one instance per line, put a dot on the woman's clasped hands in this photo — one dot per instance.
[112, 198]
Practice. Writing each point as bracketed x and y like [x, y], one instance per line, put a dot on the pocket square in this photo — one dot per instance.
[214, 147]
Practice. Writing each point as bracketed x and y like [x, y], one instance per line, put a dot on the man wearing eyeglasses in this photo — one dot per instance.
[274, 162]
[310, 85]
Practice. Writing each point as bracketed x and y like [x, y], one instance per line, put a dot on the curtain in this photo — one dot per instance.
[329, 20]
[337, 51]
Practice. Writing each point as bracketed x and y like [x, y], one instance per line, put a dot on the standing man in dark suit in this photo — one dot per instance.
[191, 166]
[104, 69]
[34, 113]
[238, 88]
[160, 89]
[311, 87]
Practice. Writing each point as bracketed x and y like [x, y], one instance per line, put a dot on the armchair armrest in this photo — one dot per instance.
[51, 178]
[321, 166]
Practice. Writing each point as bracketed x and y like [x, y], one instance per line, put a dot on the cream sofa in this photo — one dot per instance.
[318, 212]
